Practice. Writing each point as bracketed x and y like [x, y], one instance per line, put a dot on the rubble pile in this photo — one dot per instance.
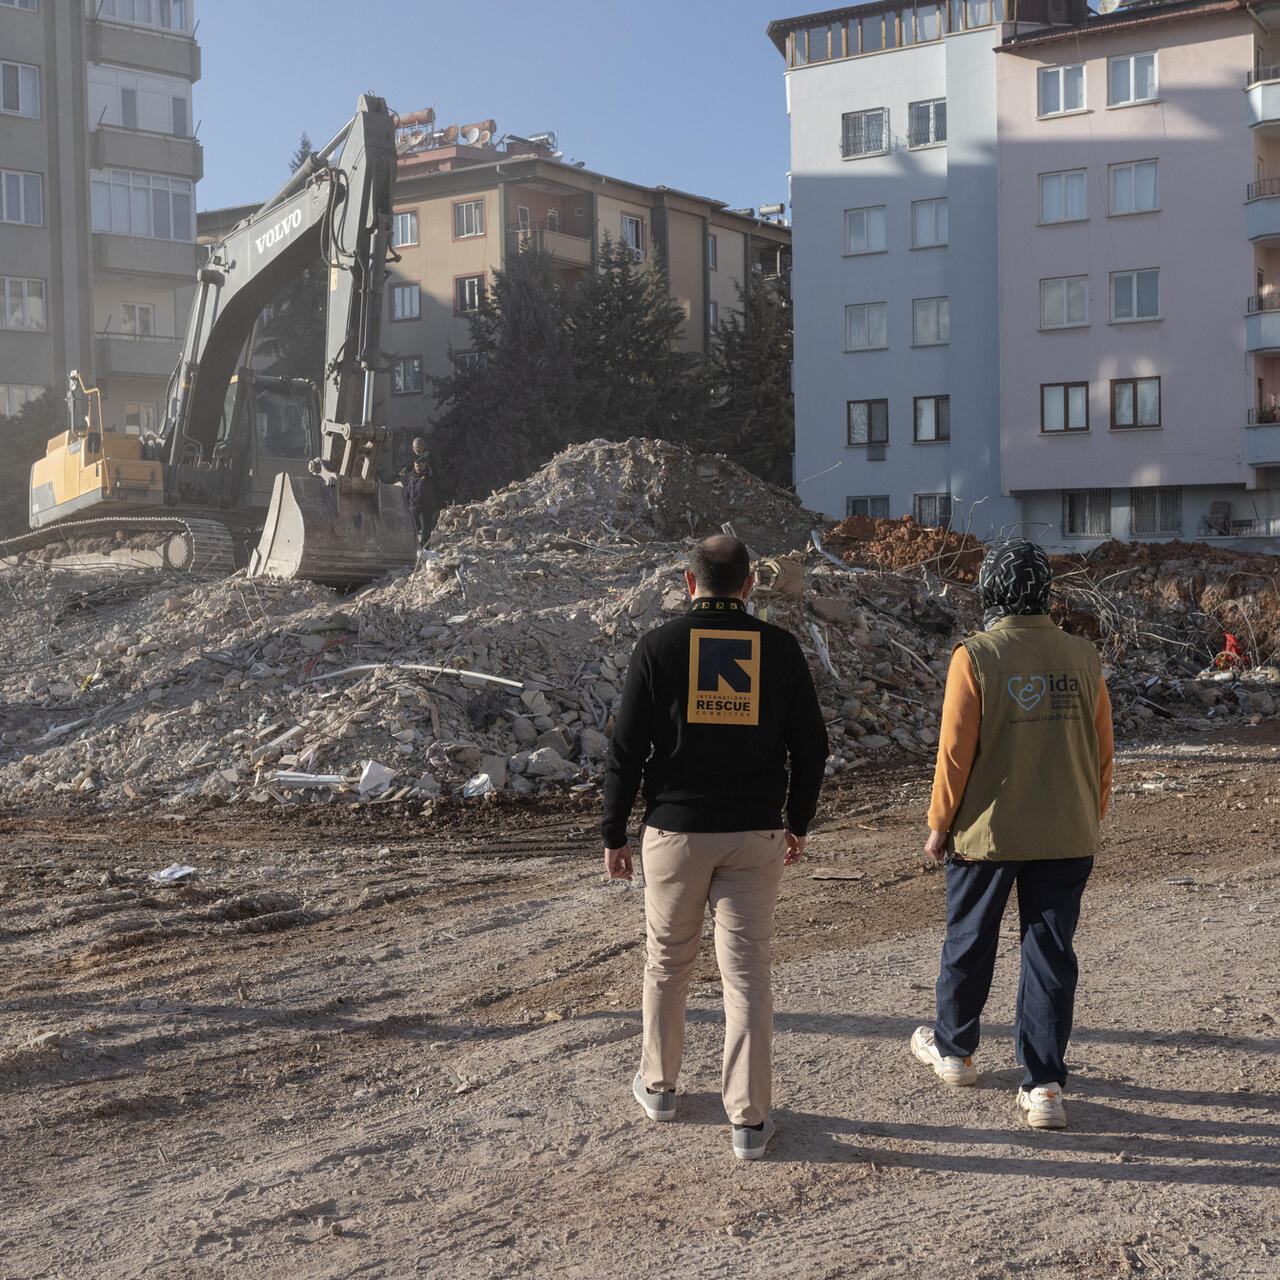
[495, 666]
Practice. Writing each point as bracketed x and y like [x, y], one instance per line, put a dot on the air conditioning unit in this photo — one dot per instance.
[637, 255]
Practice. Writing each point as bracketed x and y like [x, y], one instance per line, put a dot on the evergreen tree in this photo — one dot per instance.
[26, 435]
[293, 339]
[521, 404]
[753, 415]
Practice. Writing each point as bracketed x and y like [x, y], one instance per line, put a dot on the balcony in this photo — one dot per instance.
[571, 250]
[1262, 210]
[131, 355]
[1262, 325]
[140, 256]
[114, 148]
[169, 53]
[1262, 99]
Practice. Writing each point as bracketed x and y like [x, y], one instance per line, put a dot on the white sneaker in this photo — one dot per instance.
[1043, 1106]
[749, 1143]
[951, 1070]
[658, 1105]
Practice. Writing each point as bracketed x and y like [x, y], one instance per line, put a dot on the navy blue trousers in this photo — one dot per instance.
[1049, 893]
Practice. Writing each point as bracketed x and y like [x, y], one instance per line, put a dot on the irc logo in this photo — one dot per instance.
[724, 677]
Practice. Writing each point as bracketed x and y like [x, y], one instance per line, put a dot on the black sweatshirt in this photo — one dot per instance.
[722, 700]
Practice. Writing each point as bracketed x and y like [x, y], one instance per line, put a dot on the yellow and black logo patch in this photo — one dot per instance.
[724, 677]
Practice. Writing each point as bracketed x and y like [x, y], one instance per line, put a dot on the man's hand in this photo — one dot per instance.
[936, 845]
[617, 862]
[795, 849]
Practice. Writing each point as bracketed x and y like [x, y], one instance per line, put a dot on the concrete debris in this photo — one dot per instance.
[495, 666]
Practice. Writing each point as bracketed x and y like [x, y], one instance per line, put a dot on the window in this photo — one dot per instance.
[522, 217]
[1061, 89]
[14, 395]
[405, 301]
[868, 421]
[813, 45]
[931, 508]
[553, 219]
[20, 89]
[928, 22]
[406, 376]
[1135, 187]
[468, 291]
[633, 234]
[927, 122]
[874, 505]
[464, 361]
[1064, 406]
[23, 304]
[137, 100]
[1135, 402]
[141, 416]
[1064, 302]
[140, 204]
[713, 314]
[930, 322]
[711, 253]
[864, 230]
[1155, 511]
[932, 418]
[1131, 78]
[866, 326]
[404, 229]
[928, 223]
[864, 133]
[21, 197]
[18, 4]
[169, 15]
[1086, 513]
[1135, 295]
[138, 319]
[1062, 196]
[468, 219]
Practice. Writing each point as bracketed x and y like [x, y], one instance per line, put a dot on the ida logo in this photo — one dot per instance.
[1027, 690]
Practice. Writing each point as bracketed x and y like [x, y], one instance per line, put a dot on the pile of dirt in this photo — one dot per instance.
[903, 544]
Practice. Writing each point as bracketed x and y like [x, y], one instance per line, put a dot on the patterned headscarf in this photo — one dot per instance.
[1014, 579]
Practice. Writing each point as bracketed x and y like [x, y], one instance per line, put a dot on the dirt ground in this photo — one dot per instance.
[352, 1046]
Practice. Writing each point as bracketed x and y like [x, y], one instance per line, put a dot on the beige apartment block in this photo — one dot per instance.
[98, 166]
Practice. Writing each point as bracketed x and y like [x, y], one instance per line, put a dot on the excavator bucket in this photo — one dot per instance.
[320, 533]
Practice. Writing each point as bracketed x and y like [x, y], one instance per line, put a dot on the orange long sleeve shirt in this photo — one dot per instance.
[958, 741]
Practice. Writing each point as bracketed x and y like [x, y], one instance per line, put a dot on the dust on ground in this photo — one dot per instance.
[358, 1043]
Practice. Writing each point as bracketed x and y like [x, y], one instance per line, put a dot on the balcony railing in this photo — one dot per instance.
[1264, 417]
[1263, 302]
[1259, 74]
[1263, 187]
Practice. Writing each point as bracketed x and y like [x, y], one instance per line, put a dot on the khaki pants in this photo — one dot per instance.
[737, 872]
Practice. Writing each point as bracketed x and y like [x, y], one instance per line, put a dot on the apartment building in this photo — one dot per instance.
[98, 166]
[1139, 318]
[1109, 368]
[463, 210]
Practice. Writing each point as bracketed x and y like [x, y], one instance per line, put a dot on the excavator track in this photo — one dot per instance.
[195, 545]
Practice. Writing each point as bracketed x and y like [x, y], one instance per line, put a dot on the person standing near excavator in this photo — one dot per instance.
[717, 705]
[1021, 785]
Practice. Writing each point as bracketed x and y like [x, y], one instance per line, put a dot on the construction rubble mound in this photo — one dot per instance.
[494, 666]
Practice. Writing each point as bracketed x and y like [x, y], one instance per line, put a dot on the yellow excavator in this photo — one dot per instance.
[239, 449]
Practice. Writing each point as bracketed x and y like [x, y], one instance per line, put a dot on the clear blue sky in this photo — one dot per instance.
[686, 95]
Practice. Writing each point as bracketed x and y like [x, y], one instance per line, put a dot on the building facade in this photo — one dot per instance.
[98, 166]
[1104, 374]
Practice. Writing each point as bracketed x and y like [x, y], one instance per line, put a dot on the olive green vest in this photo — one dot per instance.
[1033, 791]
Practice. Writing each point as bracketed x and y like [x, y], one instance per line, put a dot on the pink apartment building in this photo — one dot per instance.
[1139, 273]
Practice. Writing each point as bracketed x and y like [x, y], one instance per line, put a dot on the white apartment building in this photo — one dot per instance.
[98, 166]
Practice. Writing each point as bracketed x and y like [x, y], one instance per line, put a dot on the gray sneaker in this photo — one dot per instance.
[657, 1106]
[749, 1143]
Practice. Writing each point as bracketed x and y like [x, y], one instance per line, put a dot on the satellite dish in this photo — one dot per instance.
[451, 133]
[470, 135]
[1108, 6]
[483, 140]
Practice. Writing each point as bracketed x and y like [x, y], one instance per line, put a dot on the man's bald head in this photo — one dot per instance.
[720, 565]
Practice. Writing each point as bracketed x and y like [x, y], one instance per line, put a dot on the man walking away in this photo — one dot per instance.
[715, 706]
[1022, 782]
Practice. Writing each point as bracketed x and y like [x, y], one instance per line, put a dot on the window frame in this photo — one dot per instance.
[938, 401]
[847, 116]
[463, 361]
[1157, 492]
[1112, 211]
[713, 315]
[1090, 496]
[867, 498]
[933, 138]
[411, 217]
[1134, 273]
[461, 219]
[1130, 59]
[28, 5]
[939, 202]
[1066, 429]
[405, 364]
[152, 184]
[21, 175]
[849, 441]
[405, 289]
[1060, 69]
[1064, 174]
[713, 252]
[147, 309]
[852, 306]
[1066, 322]
[15, 396]
[460, 282]
[26, 282]
[1135, 425]
[938, 317]
[917, 504]
[19, 68]
[884, 230]
[640, 247]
